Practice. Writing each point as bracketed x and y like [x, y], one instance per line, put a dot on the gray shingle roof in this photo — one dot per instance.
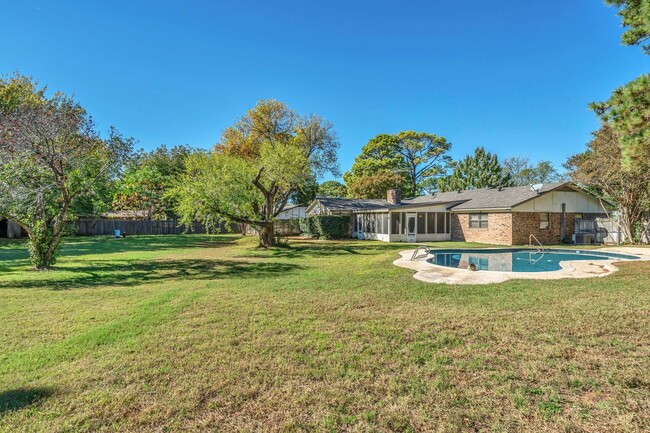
[353, 204]
[486, 198]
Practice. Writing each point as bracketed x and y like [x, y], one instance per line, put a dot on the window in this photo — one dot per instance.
[431, 222]
[448, 226]
[543, 220]
[441, 222]
[478, 221]
[422, 221]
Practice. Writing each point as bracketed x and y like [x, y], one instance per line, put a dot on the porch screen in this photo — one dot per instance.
[441, 222]
[422, 221]
[431, 222]
[395, 223]
[384, 223]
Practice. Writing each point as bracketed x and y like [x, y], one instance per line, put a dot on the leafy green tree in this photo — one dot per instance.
[141, 190]
[481, 170]
[628, 113]
[226, 188]
[635, 15]
[50, 155]
[148, 177]
[262, 160]
[332, 189]
[408, 160]
[597, 170]
[522, 172]
[378, 168]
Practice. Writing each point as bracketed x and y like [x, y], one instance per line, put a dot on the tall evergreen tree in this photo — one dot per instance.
[481, 170]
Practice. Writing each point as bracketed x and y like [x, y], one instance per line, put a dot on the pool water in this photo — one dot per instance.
[517, 260]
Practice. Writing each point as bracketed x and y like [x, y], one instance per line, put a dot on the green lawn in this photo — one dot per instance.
[200, 333]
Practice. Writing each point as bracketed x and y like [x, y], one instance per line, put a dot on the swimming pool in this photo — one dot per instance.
[517, 260]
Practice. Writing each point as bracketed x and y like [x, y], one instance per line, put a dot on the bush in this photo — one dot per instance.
[326, 226]
[307, 227]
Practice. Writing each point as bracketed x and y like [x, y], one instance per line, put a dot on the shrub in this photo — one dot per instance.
[307, 227]
[326, 226]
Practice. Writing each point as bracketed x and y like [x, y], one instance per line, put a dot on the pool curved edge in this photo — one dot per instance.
[431, 273]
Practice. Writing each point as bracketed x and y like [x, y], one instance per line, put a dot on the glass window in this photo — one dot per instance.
[422, 222]
[395, 223]
[441, 222]
[543, 220]
[384, 223]
[403, 222]
[478, 221]
[431, 222]
[448, 225]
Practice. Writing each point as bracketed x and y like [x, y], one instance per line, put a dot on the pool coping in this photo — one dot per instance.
[431, 273]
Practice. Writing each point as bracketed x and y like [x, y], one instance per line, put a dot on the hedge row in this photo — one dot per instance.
[326, 226]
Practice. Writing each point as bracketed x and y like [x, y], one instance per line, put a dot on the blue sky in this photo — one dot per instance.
[515, 76]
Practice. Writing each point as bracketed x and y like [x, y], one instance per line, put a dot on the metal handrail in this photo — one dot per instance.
[530, 243]
[423, 247]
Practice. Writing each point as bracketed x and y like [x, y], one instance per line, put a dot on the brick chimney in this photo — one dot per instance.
[394, 196]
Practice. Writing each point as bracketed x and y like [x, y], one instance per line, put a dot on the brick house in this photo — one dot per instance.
[506, 216]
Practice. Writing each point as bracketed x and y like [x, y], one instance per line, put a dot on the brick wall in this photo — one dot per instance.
[525, 223]
[514, 228]
[499, 229]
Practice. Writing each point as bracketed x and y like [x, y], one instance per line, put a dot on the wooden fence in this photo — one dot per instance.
[140, 227]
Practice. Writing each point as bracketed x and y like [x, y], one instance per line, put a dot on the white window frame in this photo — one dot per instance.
[544, 224]
[478, 221]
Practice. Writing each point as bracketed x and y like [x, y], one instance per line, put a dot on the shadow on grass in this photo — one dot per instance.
[133, 273]
[79, 246]
[326, 249]
[19, 398]
[14, 253]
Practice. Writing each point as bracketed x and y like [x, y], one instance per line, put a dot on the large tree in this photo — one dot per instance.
[332, 189]
[409, 160]
[481, 170]
[522, 172]
[635, 16]
[598, 170]
[264, 159]
[50, 155]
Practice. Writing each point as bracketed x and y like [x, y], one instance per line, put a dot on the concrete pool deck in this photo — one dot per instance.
[431, 273]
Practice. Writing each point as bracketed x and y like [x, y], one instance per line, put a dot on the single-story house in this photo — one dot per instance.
[506, 216]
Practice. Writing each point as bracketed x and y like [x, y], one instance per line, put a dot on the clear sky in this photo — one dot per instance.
[515, 76]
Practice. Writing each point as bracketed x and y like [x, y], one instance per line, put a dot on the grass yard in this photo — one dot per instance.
[207, 333]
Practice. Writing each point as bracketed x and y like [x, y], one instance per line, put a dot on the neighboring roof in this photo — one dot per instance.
[293, 206]
[352, 204]
[471, 199]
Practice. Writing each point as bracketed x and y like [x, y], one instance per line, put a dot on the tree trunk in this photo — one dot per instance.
[267, 238]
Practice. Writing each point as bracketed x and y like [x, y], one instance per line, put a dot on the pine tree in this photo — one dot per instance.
[481, 170]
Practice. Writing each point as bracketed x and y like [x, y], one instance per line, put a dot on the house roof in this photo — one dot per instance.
[472, 199]
[352, 204]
